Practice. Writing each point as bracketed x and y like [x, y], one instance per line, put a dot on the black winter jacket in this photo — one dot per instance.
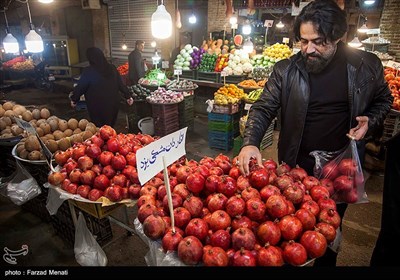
[288, 89]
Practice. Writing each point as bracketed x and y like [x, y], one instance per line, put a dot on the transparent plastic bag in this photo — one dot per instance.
[22, 187]
[87, 251]
[343, 169]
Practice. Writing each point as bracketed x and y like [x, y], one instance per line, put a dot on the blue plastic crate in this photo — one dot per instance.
[220, 140]
[223, 117]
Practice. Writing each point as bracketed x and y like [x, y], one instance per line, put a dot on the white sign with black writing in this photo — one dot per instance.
[393, 64]
[149, 159]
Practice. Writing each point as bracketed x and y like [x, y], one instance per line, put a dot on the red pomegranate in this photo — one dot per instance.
[171, 240]
[269, 232]
[197, 227]
[221, 238]
[291, 227]
[190, 250]
[270, 256]
[235, 206]
[276, 206]
[154, 227]
[294, 253]
[194, 205]
[243, 238]
[314, 243]
[215, 256]
[306, 218]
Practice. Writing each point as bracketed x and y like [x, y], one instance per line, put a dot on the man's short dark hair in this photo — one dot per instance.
[327, 17]
[139, 42]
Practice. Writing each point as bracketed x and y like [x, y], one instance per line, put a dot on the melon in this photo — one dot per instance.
[238, 40]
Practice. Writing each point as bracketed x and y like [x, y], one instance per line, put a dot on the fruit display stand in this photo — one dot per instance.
[186, 112]
[166, 118]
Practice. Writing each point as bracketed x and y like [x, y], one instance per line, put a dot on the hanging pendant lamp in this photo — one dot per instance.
[161, 23]
[10, 43]
[33, 41]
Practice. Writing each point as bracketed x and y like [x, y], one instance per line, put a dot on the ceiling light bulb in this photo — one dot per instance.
[355, 43]
[153, 44]
[46, 1]
[161, 23]
[369, 2]
[192, 19]
[124, 46]
[10, 44]
[246, 29]
[33, 42]
[280, 24]
[233, 20]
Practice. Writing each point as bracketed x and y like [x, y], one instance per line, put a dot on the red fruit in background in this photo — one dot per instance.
[328, 183]
[226, 186]
[113, 145]
[118, 162]
[97, 169]
[120, 180]
[348, 167]
[270, 164]
[290, 206]
[298, 173]
[109, 171]
[106, 132]
[124, 193]
[225, 165]
[83, 190]
[56, 178]
[343, 183]
[276, 206]
[65, 183]
[182, 217]
[310, 181]
[241, 221]
[219, 220]
[222, 157]
[211, 184]
[125, 149]
[243, 238]
[314, 243]
[235, 206]
[182, 191]
[283, 181]
[243, 257]
[128, 170]
[221, 238]
[195, 182]
[113, 193]
[182, 173]
[203, 170]
[294, 253]
[330, 170]
[173, 168]
[61, 157]
[283, 168]
[74, 176]
[255, 209]
[154, 227]
[216, 201]
[144, 199]
[319, 192]
[269, 232]
[306, 218]
[161, 192]
[350, 197]
[134, 191]
[197, 227]
[327, 230]
[101, 182]
[270, 256]
[131, 159]
[145, 210]
[171, 240]
[208, 162]
[216, 171]
[70, 165]
[173, 182]
[72, 188]
[326, 202]
[329, 216]
[176, 202]
[234, 172]
[95, 194]
[215, 256]
[190, 250]
[96, 140]
[267, 191]
[311, 206]
[242, 183]
[105, 158]
[78, 151]
[194, 205]
[291, 227]
[146, 139]
[259, 178]
[294, 194]
[93, 150]
[85, 163]
[87, 177]
[192, 164]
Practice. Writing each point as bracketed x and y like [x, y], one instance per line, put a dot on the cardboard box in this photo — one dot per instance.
[95, 209]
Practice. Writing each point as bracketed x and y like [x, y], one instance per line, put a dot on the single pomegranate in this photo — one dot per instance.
[190, 250]
[170, 240]
[255, 209]
[95, 194]
[195, 182]
[144, 199]
[348, 167]
[106, 132]
[56, 178]
[146, 210]
[270, 164]
[326, 202]
[221, 238]
[283, 168]
[109, 171]
[270, 256]
[294, 253]
[314, 243]
[61, 157]
[241, 221]
[350, 197]
[234, 172]
[194, 205]
[215, 256]
[226, 185]
[216, 201]
[269, 232]
[219, 220]
[330, 170]
[182, 191]
[267, 191]
[211, 184]
[242, 183]
[249, 193]
[259, 178]
[310, 181]
[298, 173]
[294, 194]
[182, 217]
[243, 257]
[243, 238]
[311, 206]
[327, 230]
[154, 227]
[276, 206]
[343, 183]
[83, 190]
[318, 192]
[182, 173]
[197, 227]
[87, 177]
[283, 181]
[291, 227]
[176, 202]
[306, 218]
[235, 206]
[329, 216]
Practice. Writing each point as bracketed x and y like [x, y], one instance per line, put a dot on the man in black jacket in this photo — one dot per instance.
[324, 92]
[136, 63]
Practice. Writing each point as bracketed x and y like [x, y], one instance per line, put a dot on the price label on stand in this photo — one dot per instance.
[393, 64]
[224, 74]
[178, 72]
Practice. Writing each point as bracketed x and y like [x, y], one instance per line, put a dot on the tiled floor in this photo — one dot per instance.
[18, 227]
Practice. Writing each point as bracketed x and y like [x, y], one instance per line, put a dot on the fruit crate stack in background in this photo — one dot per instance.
[222, 128]
[186, 111]
[166, 118]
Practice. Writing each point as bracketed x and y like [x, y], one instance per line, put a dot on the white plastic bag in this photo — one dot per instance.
[87, 251]
[22, 186]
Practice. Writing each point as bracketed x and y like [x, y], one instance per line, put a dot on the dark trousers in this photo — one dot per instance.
[329, 258]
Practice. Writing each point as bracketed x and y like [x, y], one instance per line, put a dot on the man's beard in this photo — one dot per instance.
[317, 63]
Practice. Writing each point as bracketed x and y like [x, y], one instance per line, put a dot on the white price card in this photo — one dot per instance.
[393, 64]
[149, 159]
[177, 72]
[247, 106]
[224, 74]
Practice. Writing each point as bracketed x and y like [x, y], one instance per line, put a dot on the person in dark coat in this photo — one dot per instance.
[101, 85]
[136, 63]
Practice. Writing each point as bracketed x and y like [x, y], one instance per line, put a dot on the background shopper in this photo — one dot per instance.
[137, 68]
[100, 83]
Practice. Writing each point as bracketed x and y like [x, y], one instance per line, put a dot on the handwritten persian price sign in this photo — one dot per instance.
[149, 159]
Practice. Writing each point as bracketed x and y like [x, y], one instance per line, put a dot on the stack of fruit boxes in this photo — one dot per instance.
[186, 112]
[222, 128]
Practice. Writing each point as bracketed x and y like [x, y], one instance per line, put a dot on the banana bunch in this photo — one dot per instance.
[221, 99]
[254, 95]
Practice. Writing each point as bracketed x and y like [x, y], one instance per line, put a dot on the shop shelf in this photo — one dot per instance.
[209, 76]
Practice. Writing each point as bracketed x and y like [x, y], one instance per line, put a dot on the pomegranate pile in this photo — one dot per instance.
[103, 165]
[277, 215]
